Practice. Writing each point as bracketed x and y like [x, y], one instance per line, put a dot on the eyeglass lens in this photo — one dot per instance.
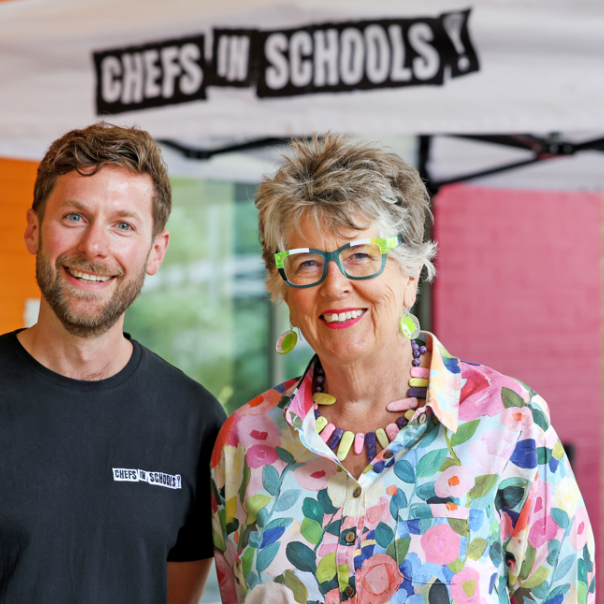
[306, 268]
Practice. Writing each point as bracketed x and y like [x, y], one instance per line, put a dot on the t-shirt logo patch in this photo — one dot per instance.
[171, 481]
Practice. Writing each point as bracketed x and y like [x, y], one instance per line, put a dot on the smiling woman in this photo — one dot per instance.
[391, 471]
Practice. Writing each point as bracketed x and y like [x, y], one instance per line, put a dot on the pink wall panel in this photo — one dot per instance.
[519, 290]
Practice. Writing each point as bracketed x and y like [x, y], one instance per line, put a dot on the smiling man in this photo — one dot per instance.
[104, 447]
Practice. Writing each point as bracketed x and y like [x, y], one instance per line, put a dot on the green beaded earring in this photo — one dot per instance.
[287, 342]
[410, 326]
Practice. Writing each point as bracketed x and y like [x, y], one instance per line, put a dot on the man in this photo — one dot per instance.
[104, 447]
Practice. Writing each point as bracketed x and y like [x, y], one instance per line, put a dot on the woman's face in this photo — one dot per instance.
[379, 300]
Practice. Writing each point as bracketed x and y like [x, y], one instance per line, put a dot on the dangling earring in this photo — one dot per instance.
[287, 342]
[410, 326]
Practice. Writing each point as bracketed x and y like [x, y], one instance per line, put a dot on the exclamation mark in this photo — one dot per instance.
[453, 24]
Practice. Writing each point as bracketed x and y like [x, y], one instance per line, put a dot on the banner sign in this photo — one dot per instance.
[329, 57]
[153, 75]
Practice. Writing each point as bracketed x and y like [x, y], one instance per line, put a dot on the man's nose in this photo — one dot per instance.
[95, 242]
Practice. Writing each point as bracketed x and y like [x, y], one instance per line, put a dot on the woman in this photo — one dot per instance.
[390, 471]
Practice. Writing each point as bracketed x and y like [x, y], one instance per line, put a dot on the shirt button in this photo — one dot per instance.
[349, 591]
[350, 536]
[422, 418]
[357, 492]
[388, 454]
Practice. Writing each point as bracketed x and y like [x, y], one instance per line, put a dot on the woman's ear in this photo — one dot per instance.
[410, 293]
[286, 301]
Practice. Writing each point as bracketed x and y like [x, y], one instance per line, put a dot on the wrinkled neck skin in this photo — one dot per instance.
[364, 387]
[89, 359]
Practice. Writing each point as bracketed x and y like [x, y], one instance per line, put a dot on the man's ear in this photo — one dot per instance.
[32, 232]
[158, 252]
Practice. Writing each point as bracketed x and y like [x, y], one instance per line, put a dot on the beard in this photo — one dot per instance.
[97, 317]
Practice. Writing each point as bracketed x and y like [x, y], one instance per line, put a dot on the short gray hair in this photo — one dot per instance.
[333, 179]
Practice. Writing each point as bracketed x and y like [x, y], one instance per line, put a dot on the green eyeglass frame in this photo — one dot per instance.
[384, 243]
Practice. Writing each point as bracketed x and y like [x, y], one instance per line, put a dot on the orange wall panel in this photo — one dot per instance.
[17, 265]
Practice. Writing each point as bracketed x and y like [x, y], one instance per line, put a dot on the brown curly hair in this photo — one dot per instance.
[99, 145]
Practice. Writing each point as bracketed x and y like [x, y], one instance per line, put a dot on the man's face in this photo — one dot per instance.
[94, 246]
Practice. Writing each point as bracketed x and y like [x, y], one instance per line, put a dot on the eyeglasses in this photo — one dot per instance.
[361, 259]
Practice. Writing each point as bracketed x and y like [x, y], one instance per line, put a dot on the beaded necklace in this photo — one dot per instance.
[343, 440]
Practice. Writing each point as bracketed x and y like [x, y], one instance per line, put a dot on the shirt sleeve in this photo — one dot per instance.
[546, 533]
[225, 530]
[194, 540]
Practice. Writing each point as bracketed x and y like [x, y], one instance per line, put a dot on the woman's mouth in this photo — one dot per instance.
[342, 318]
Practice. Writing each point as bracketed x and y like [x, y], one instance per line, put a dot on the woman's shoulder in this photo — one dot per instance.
[255, 420]
[487, 392]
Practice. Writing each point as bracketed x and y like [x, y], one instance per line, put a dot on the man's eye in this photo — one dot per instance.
[74, 217]
[124, 226]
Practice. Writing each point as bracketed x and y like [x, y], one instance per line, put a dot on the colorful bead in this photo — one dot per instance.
[335, 439]
[345, 444]
[359, 442]
[392, 431]
[403, 404]
[371, 445]
[401, 422]
[343, 441]
[327, 432]
[420, 372]
[322, 398]
[382, 437]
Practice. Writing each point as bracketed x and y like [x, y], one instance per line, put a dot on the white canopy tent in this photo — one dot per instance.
[388, 67]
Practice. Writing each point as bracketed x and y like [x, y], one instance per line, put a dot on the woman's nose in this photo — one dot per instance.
[336, 282]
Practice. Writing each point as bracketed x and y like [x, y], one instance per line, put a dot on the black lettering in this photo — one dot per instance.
[427, 64]
[192, 77]
[232, 58]
[378, 54]
[301, 68]
[277, 74]
[326, 58]
[352, 56]
[362, 55]
[152, 75]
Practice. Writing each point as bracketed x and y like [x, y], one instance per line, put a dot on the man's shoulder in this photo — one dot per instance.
[9, 348]
[8, 340]
[161, 375]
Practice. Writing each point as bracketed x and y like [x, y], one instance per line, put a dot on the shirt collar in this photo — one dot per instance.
[443, 396]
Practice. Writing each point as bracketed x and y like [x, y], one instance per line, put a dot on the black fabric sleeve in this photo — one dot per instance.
[195, 537]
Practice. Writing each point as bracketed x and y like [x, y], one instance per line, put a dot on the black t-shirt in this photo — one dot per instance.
[101, 482]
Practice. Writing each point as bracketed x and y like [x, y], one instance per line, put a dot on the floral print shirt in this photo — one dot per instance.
[473, 503]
